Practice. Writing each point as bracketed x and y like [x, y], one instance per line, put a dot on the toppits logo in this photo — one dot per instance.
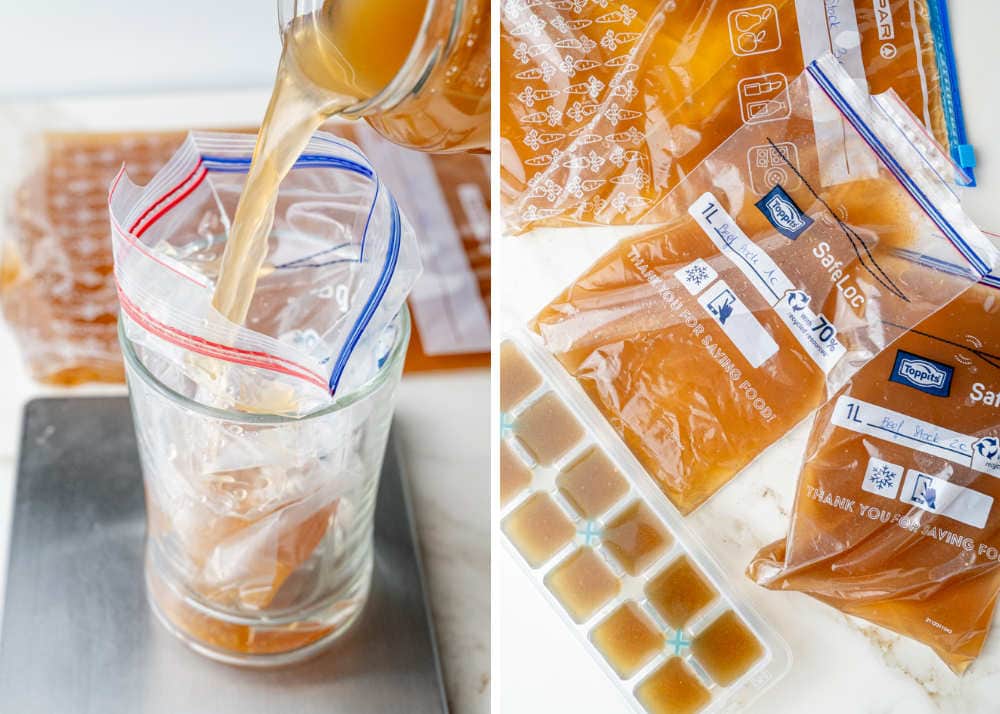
[780, 210]
[921, 373]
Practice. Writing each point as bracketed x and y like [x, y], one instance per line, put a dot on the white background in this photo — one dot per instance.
[839, 665]
[83, 47]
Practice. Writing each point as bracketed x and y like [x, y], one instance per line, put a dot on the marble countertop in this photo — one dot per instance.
[441, 419]
[839, 664]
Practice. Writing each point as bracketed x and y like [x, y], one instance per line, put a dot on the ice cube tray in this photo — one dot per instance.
[614, 557]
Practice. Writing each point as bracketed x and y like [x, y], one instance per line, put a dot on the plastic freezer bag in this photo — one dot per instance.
[447, 199]
[896, 517]
[707, 338]
[341, 260]
[58, 295]
[56, 290]
[606, 106]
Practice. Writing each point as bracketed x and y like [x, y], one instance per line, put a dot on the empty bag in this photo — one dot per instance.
[340, 263]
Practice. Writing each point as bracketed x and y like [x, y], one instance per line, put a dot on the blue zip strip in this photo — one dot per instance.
[232, 164]
[951, 98]
[927, 162]
[937, 264]
[239, 164]
[991, 280]
[324, 264]
[340, 143]
[320, 136]
[227, 164]
[368, 220]
[897, 170]
[361, 324]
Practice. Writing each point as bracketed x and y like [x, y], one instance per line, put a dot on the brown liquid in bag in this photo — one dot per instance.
[56, 286]
[64, 313]
[670, 380]
[924, 565]
[604, 110]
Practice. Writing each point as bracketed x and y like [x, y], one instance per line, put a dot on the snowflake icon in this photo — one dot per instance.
[882, 477]
[697, 275]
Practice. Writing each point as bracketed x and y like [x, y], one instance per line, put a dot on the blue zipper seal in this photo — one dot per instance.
[238, 164]
[233, 164]
[940, 265]
[895, 168]
[951, 98]
[992, 280]
[374, 300]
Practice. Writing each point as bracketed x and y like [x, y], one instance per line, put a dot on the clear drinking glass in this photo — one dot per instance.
[259, 547]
